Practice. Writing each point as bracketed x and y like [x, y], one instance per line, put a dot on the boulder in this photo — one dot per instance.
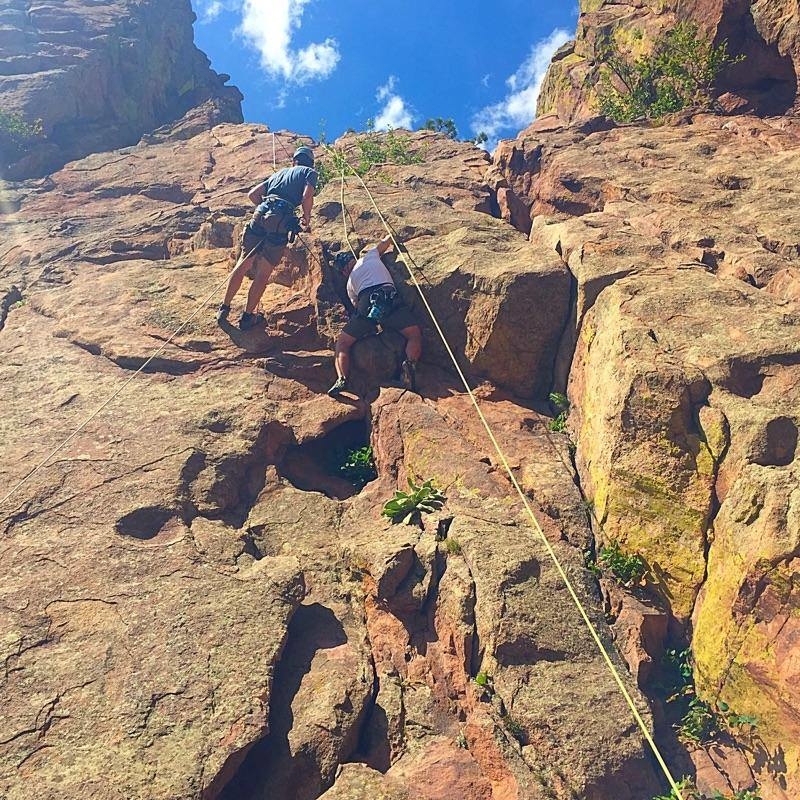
[99, 75]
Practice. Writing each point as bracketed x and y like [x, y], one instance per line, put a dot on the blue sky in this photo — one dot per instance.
[315, 66]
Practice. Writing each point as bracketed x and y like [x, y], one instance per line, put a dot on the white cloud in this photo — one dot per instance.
[269, 26]
[209, 10]
[395, 113]
[518, 108]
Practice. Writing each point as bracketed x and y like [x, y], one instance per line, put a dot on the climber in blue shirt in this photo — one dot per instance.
[265, 237]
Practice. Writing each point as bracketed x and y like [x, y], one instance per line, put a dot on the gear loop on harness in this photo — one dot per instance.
[382, 300]
[275, 221]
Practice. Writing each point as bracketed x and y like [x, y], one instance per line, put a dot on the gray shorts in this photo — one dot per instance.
[271, 252]
[399, 318]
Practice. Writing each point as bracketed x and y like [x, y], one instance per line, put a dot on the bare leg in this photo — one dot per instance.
[343, 344]
[413, 336]
[259, 284]
[236, 278]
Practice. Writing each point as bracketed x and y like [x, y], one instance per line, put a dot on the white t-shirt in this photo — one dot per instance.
[368, 271]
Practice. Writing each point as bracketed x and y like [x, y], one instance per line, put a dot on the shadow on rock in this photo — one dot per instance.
[271, 769]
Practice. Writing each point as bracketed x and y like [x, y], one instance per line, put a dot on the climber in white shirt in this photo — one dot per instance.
[372, 292]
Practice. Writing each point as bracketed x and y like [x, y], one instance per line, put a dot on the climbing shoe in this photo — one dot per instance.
[338, 387]
[222, 313]
[248, 321]
[408, 375]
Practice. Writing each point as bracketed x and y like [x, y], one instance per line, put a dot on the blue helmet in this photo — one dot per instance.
[304, 156]
[341, 260]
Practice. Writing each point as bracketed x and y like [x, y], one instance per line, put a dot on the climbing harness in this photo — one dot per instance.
[275, 221]
[382, 300]
[676, 789]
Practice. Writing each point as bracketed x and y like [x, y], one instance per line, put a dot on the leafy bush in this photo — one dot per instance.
[17, 136]
[446, 126]
[453, 546]
[679, 673]
[371, 149]
[734, 720]
[699, 723]
[408, 507]
[679, 73]
[561, 404]
[628, 570]
[689, 791]
[358, 467]
[482, 679]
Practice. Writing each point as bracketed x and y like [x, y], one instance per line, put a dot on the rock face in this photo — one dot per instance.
[197, 604]
[766, 32]
[684, 380]
[378, 665]
[101, 74]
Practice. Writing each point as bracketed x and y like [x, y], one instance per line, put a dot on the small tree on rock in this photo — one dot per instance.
[678, 74]
[445, 126]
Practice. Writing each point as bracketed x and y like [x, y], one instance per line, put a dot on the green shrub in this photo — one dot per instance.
[678, 74]
[698, 724]
[734, 720]
[561, 404]
[482, 679]
[371, 149]
[446, 126]
[627, 570]
[453, 546]
[17, 136]
[408, 507]
[678, 671]
[358, 467]
[689, 791]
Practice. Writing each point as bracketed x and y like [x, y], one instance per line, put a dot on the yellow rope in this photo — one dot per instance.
[501, 455]
[122, 388]
[344, 217]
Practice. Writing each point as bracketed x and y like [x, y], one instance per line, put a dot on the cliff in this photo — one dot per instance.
[198, 604]
[765, 32]
[99, 75]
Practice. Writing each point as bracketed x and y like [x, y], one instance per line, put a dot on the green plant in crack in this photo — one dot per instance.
[699, 724]
[17, 136]
[561, 405]
[746, 723]
[358, 466]
[408, 507]
[453, 546]
[483, 679]
[627, 570]
[689, 791]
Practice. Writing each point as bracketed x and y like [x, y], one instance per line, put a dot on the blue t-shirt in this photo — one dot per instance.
[290, 183]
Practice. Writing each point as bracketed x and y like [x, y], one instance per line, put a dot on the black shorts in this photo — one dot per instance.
[271, 252]
[399, 318]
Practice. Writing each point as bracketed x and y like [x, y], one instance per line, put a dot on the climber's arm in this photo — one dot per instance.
[307, 204]
[256, 194]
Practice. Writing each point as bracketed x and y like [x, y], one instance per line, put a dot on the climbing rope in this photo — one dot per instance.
[122, 388]
[344, 216]
[535, 523]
